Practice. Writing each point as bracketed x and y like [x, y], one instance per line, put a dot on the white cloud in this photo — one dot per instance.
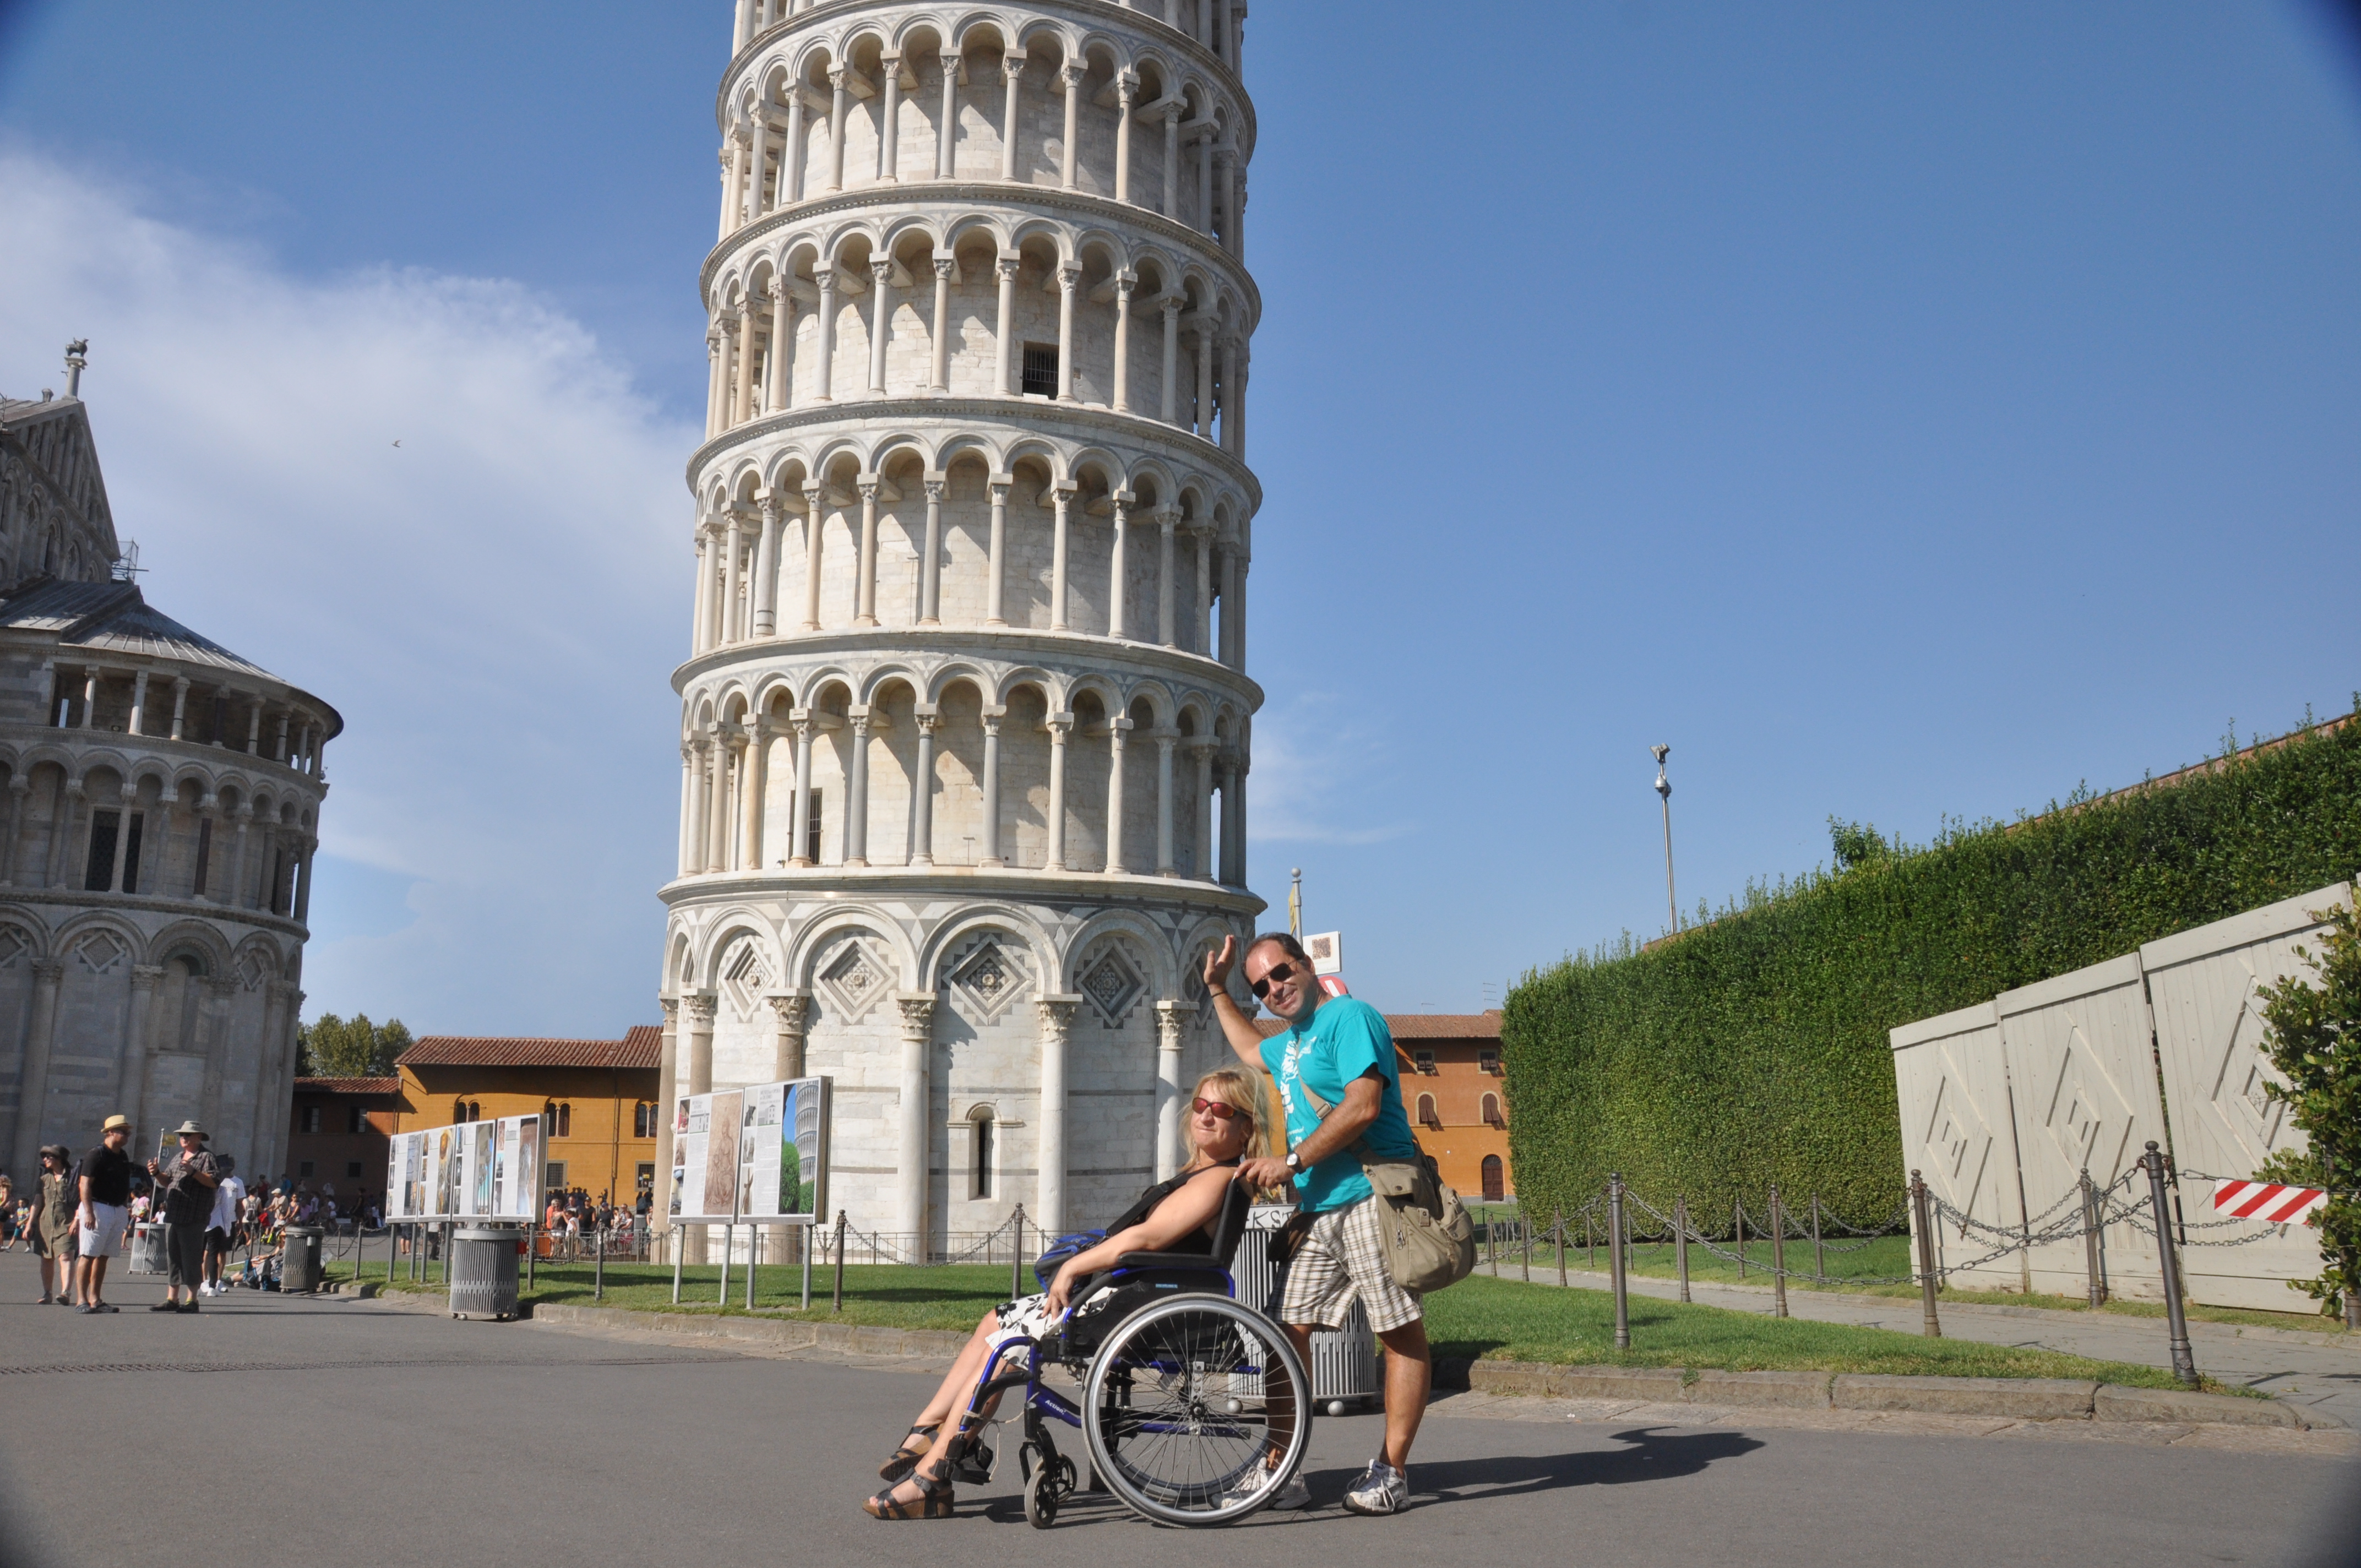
[493, 604]
[1314, 769]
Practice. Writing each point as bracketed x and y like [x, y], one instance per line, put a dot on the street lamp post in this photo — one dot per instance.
[1664, 792]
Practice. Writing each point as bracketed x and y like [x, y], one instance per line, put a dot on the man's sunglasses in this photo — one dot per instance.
[1222, 1111]
[1261, 988]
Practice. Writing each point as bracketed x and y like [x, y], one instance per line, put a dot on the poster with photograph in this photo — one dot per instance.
[405, 1187]
[443, 1173]
[481, 1142]
[692, 1118]
[528, 1167]
[784, 1149]
[721, 1153]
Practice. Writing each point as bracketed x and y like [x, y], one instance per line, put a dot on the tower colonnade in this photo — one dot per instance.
[966, 724]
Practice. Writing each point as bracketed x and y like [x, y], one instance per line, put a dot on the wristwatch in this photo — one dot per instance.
[1294, 1161]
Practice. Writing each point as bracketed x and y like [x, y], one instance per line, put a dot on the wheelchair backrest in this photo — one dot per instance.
[1230, 1227]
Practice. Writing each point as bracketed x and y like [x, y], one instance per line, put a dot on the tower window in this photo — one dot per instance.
[100, 870]
[1040, 370]
[811, 830]
[980, 1178]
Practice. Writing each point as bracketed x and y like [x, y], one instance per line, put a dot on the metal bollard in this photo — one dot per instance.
[1016, 1260]
[1525, 1236]
[1925, 1227]
[1681, 1241]
[1819, 1265]
[1778, 1257]
[2090, 1240]
[531, 1246]
[1615, 1248]
[2184, 1359]
[1557, 1229]
[839, 1304]
[599, 1270]
[1738, 1233]
[1589, 1242]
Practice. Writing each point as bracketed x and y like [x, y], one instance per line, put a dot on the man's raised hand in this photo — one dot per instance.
[1219, 963]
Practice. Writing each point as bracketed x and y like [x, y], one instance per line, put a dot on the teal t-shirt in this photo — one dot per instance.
[1346, 1039]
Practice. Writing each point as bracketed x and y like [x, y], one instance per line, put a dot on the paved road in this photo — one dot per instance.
[383, 1433]
[2320, 1371]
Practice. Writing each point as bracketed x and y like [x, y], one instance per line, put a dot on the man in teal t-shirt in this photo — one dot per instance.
[1334, 1067]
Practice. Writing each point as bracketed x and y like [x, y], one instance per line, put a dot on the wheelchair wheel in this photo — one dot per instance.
[1188, 1401]
[1048, 1487]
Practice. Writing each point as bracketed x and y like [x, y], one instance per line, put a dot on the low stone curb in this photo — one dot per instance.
[2012, 1398]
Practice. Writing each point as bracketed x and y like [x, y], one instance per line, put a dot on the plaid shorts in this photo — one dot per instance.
[1344, 1255]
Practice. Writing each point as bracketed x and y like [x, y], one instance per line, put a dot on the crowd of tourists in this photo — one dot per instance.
[83, 1212]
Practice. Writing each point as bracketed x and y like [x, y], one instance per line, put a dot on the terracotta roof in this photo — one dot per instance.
[640, 1048]
[348, 1085]
[1419, 1025]
[1444, 1025]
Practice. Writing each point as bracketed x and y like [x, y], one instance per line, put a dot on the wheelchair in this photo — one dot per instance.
[1193, 1408]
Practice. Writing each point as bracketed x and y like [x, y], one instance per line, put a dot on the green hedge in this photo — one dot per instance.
[1752, 1048]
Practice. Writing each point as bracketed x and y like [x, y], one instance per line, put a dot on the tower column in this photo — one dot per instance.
[766, 568]
[946, 128]
[922, 793]
[1061, 496]
[992, 717]
[918, 1010]
[1118, 728]
[799, 841]
[1165, 739]
[944, 267]
[1060, 726]
[1006, 268]
[1057, 1016]
[866, 614]
[856, 805]
[930, 566]
[1012, 68]
[1118, 569]
[995, 567]
[881, 321]
[815, 503]
[824, 344]
[1169, 1141]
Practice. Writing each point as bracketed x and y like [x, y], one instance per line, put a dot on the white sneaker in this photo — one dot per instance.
[1382, 1489]
[1294, 1495]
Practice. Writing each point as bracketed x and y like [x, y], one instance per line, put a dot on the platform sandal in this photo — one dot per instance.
[933, 1501]
[906, 1458]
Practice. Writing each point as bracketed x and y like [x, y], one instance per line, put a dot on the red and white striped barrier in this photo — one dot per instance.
[2267, 1201]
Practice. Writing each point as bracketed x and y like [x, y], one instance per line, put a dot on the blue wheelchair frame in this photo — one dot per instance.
[1211, 1277]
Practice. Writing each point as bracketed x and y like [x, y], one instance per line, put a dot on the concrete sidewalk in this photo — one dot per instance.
[2314, 1370]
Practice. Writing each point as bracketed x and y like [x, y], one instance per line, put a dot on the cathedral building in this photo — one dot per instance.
[163, 804]
[965, 719]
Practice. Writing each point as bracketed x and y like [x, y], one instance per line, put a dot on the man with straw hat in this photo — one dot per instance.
[188, 1180]
[103, 1193]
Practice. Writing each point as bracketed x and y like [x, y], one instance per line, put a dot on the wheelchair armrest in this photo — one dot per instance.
[1169, 1260]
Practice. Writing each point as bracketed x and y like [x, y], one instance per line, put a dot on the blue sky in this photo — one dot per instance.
[1903, 414]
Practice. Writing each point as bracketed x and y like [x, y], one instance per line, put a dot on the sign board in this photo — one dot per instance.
[474, 1170]
[755, 1154]
[1327, 950]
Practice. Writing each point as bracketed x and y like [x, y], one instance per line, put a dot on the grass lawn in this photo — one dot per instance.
[1503, 1319]
[1883, 1256]
[1508, 1319]
[888, 1295]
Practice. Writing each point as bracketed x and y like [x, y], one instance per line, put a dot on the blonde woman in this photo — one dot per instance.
[1176, 1215]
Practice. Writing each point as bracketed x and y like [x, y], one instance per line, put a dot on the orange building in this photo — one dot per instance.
[336, 1132]
[1455, 1093]
[1458, 1096]
[596, 1098]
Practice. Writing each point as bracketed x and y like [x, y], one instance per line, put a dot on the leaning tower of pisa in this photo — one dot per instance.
[965, 720]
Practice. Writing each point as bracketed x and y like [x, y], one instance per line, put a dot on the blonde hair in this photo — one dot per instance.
[1243, 1096]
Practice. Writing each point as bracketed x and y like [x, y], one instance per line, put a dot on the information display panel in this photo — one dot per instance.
[474, 1170]
[756, 1154]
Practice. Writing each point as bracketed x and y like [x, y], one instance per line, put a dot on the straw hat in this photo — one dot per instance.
[113, 1122]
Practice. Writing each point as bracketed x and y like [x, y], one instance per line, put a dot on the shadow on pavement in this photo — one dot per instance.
[1654, 1454]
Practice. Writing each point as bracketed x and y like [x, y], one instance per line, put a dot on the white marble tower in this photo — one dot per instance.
[965, 721]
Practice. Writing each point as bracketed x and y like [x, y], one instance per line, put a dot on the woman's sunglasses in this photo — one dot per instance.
[1222, 1111]
[1261, 988]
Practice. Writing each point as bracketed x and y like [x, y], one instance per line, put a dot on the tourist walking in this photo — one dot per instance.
[222, 1224]
[1335, 1065]
[102, 1208]
[187, 1181]
[53, 1226]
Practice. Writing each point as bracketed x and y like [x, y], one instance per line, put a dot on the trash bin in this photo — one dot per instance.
[147, 1255]
[299, 1269]
[484, 1273]
[1344, 1362]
